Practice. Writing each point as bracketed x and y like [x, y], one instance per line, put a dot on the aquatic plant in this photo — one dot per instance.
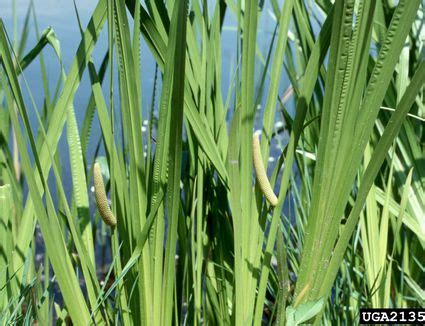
[192, 241]
[101, 199]
[260, 171]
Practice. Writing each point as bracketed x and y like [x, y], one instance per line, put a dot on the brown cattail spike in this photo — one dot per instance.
[260, 172]
[101, 199]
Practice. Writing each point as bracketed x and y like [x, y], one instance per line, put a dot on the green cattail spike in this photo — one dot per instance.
[101, 199]
[260, 172]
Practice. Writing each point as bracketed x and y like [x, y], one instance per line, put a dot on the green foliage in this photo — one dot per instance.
[195, 240]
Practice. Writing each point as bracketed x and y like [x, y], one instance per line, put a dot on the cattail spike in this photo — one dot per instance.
[101, 199]
[260, 172]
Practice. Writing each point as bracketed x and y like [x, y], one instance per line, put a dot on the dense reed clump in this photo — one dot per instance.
[173, 91]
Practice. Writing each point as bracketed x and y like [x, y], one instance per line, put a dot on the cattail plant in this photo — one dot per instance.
[260, 172]
[195, 244]
[101, 199]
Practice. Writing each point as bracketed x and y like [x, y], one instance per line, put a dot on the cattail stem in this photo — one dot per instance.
[260, 172]
[101, 199]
